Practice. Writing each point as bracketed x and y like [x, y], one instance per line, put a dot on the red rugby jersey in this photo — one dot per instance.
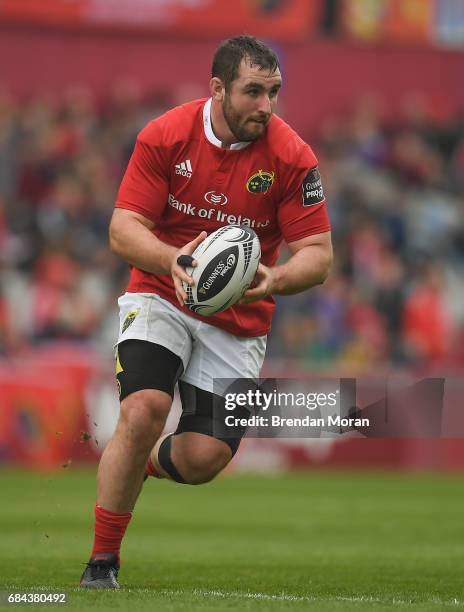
[181, 178]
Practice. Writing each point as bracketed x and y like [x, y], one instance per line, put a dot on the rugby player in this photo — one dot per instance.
[211, 162]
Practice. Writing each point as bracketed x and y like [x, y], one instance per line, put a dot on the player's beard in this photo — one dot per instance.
[236, 123]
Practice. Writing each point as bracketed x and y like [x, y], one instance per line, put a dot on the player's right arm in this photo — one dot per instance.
[140, 205]
[132, 239]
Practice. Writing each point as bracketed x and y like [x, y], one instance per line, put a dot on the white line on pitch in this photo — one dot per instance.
[308, 598]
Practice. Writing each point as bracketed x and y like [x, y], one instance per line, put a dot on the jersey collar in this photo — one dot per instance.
[210, 135]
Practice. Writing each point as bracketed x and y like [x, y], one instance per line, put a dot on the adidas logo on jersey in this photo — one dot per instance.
[184, 168]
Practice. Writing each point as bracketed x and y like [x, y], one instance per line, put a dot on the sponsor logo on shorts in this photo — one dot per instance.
[313, 193]
[119, 369]
[130, 317]
[212, 197]
[260, 182]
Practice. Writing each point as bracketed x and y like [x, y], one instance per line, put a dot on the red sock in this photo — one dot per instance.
[110, 528]
[150, 469]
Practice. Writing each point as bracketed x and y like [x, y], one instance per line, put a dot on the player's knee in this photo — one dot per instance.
[200, 466]
[143, 412]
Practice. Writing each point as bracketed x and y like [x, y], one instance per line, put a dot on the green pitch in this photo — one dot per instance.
[319, 541]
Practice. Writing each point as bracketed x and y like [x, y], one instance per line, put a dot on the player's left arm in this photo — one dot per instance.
[308, 266]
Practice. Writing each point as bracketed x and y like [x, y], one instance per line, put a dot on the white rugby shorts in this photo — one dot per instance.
[207, 352]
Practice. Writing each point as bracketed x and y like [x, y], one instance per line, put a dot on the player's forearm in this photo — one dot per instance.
[305, 269]
[137, 245]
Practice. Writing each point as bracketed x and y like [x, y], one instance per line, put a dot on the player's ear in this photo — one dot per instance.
[217, 89]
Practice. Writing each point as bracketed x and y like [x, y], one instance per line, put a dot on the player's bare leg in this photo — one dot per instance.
[120, 477]
[197, 458]
[121, 469]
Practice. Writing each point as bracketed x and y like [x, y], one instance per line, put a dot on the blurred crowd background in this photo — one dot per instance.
[395, 192]
[375, 86]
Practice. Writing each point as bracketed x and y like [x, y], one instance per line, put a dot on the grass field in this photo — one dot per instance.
[323, 541]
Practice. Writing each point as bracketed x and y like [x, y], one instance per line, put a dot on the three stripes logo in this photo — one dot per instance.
[184, 168]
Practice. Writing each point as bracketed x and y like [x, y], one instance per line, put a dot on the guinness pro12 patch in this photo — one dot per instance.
[313, 192]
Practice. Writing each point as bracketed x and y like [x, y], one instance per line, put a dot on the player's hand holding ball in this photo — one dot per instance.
[263, 283]
[181, 261]
[224, 267]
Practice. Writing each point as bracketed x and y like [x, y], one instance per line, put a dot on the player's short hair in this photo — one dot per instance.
[228, 57]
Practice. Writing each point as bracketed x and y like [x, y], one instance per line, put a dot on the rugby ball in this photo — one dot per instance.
[227, 262]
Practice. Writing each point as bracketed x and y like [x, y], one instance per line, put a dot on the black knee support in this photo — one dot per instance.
[165, 461]
[204, 412]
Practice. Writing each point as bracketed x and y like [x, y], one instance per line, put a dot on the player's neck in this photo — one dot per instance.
[220, 128]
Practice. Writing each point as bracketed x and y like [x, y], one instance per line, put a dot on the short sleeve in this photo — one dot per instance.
[145, 185]
[302, 210]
